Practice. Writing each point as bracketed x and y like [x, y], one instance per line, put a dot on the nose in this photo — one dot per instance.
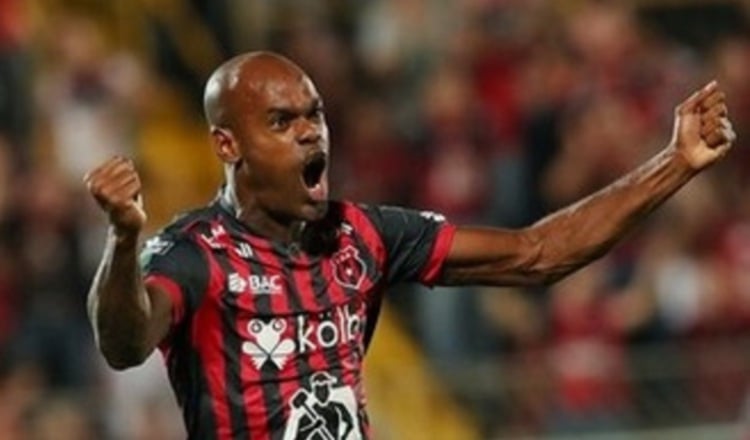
[310, 132]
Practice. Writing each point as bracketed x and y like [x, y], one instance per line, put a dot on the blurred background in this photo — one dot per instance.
[489, 111]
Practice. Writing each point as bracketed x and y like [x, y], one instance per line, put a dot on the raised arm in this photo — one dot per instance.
[574, 236]
[128, 320]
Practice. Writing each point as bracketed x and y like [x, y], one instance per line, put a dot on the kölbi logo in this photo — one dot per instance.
[257, 284]
[269, 342]
[268, 346]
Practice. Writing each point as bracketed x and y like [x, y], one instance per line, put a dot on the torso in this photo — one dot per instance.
[269, 320]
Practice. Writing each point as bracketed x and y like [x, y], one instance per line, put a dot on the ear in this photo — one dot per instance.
[225, 145]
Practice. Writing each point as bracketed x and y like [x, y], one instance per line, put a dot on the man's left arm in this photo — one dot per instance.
[574, 236]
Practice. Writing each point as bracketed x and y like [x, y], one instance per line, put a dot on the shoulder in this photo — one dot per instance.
[179, 236]
[357, 216]
[186, 224]
[384, 216]
[189, 221]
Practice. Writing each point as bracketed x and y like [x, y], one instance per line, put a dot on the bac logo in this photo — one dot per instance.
[255, 284]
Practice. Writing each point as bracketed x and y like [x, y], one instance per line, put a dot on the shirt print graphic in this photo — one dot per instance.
[268, 344]
[274, 341]
[324, 410]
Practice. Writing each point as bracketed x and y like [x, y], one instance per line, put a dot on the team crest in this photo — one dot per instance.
[348, 268]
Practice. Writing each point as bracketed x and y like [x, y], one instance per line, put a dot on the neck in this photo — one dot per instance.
[262, 223]
[246, 209]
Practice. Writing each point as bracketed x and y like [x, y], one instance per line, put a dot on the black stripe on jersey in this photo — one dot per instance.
[373, 302]
[206, 428]
[320, 285]
[371, 263]
[189, 381]
[272, 397]
[374, 305]
[232, 364]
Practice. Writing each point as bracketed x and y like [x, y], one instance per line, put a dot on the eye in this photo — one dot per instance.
[317, 113]
[280, 121]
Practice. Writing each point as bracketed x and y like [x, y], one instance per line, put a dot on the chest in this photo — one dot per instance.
[256, 278]
[287, 311]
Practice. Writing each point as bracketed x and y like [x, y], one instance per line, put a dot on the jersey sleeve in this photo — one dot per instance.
[416, 242]
[175, 265]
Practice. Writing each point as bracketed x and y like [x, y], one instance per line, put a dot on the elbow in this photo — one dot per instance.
[537, 263]
[546, 272]
[549, 278]
[537, 277]
[545, 262]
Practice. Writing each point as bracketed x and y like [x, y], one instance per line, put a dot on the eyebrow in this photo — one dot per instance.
[316, 103]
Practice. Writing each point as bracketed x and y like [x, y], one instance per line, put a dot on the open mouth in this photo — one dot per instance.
[313, 170]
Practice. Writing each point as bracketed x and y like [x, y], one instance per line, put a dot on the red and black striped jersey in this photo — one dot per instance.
[267, 339]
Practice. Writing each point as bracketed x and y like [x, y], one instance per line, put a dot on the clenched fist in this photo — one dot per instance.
[703, 133]
[116, 187]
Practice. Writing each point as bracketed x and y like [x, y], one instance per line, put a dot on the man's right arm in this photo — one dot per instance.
[128, 319]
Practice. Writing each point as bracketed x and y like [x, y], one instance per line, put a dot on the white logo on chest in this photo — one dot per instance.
[268, 346]
[214, 241]
[244, 250]
[255, 284]
[341, 325]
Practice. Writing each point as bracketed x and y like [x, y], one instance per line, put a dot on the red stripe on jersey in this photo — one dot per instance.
[173, 290]
[347, 358]
[367, 231]
[205, 335]
[440, 250]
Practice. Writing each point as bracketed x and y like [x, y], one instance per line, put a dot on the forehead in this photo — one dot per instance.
[286, 90]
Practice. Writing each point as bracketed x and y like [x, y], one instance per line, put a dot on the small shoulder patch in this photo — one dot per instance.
[434, 216]
[154, 246]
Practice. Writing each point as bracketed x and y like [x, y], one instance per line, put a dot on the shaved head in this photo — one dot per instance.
[268, 128]
[232, 87]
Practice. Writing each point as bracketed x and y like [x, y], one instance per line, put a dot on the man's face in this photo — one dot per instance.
[283, 140]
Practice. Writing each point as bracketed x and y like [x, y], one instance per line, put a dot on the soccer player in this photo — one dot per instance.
[264, 301]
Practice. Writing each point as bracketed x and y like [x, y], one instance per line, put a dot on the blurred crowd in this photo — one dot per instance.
[493, 112]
